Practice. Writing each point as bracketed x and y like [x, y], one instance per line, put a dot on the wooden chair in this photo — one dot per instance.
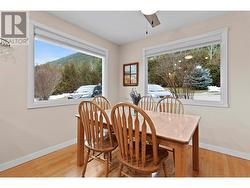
[97, 132]
[147, 103]
[170, 105]
[132, 135]
[102, 101]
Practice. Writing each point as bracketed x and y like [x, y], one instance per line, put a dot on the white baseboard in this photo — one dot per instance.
[227, 151]
[35, 155]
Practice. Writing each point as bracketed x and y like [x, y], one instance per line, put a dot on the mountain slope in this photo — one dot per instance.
[76, 58]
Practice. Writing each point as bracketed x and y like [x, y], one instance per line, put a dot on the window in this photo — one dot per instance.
[193, 70]
[63, 70]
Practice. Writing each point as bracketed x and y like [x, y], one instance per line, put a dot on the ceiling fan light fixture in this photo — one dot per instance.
[148, 12]
[151, 18]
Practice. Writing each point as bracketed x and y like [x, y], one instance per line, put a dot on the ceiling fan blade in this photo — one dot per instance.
[152, 19]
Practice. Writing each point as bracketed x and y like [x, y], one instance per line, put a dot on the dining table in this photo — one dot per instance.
[176, 131]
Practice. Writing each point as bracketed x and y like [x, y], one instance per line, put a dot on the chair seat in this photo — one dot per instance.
[149, 166]
[105, 147]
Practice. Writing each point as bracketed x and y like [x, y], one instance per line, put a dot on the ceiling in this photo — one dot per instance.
[122, 27]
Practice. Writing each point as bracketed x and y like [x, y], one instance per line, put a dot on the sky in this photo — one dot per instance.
[45, 52]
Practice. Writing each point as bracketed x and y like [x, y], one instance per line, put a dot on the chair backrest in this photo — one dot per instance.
[147, 103]
[96, 124]
[102, 101]
[170, 105]
[131, 126]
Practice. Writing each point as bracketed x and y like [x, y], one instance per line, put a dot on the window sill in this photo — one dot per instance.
[48, 104]
[218, 104]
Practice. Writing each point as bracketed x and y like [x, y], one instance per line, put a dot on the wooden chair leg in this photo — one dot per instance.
[85, 163]
[174, 156]
[107, 165]
[120, 170]
[164, 169]
[110, 157]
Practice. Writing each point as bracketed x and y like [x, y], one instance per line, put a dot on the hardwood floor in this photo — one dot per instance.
[63, 164]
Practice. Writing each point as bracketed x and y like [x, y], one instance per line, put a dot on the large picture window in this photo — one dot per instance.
[193, 70]
[64, 70]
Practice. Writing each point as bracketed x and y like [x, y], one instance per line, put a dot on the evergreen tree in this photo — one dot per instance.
[214, 70]
[199, 78]
[69, 81]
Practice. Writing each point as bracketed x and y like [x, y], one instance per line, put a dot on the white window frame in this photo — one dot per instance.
[72, 41]
[220, 35]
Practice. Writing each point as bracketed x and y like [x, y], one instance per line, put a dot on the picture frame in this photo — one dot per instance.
[130, 74]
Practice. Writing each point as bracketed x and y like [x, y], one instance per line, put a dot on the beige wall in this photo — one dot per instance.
[24, 131]
[222, 127]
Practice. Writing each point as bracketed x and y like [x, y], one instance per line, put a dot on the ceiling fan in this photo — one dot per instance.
[151, 17]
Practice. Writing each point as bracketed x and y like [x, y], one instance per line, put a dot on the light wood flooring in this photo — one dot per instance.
[62, 163]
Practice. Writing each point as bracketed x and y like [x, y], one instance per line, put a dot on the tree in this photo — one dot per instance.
[153, 77]
[199, 78]
[214, 70]
[172, 70]
[74, 74]
[90, 72]
[46, 79]
[169, 72]
[69, 81]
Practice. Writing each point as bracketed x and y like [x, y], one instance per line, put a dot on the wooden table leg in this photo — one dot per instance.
[80, 144]
[180, 161]
[195, 146]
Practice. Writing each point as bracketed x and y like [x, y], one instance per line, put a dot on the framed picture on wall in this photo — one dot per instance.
[130, 74]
